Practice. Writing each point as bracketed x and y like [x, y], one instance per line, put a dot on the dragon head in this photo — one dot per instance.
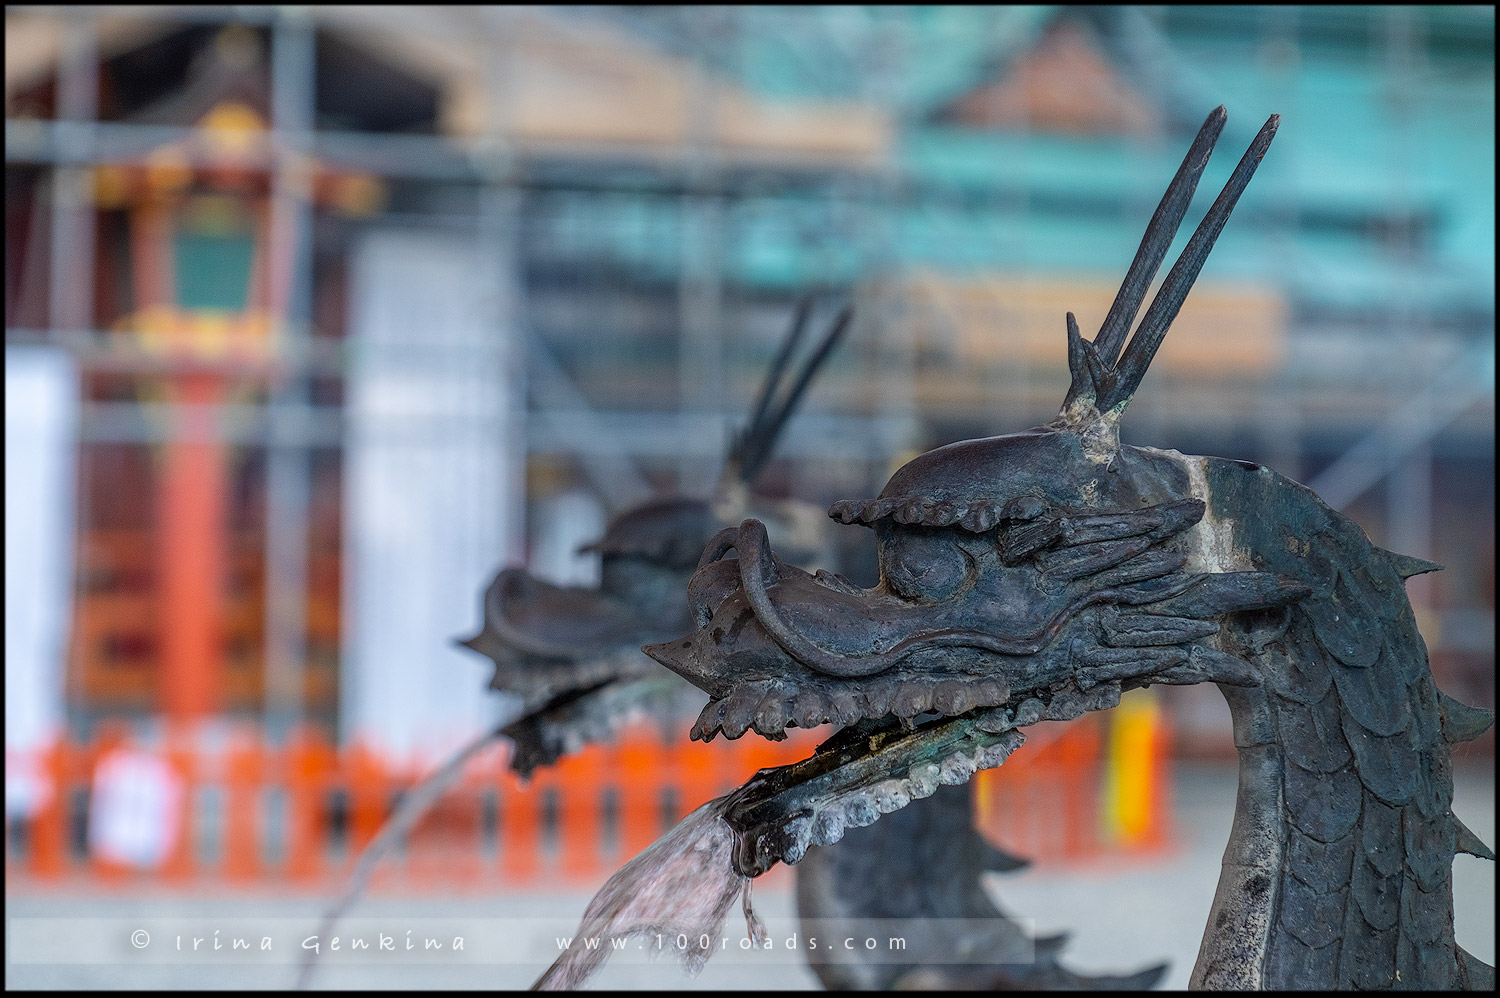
[1023, 577]
[572, 653]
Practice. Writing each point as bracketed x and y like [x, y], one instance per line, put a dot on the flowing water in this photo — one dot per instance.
[683, 885]
[412, 807]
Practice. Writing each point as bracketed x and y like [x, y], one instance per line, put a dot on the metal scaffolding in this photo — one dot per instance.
[680, 432]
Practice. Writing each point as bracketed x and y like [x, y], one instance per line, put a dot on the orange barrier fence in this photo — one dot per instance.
[1060, 798]
[116, 813]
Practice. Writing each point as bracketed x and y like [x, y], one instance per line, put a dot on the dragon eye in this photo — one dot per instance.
[924, 564]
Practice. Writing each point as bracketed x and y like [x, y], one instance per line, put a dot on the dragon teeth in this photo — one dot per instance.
[950, 697]
[860, 811]
[993, 755]
[877, 700]
[995, 721]
[912, 699]
[795, 836]
[844, 709]
[864, 807]
[923, 780]
[956, 769]
[770, 707]
[845, 511]
[943, 513]
[828, 827]
[738, 713]
[808, 709]
[708, 721]
[990, 693]
[1029, 712]
[889, 795]
[770, 716]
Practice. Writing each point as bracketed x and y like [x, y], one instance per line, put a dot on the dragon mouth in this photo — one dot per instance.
[588, 714]
[932, 681]
[921, 698]
[779, 648]
[874, 767]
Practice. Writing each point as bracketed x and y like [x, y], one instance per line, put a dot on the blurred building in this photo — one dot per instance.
[361, 303]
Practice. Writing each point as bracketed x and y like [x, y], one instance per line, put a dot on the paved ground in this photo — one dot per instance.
[1122, 916]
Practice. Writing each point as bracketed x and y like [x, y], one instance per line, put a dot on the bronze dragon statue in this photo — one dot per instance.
[1037, 575]
[573, 656]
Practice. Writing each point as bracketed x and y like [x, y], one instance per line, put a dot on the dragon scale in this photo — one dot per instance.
[1338, 872]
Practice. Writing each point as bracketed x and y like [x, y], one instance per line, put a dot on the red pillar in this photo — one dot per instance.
[191, 532]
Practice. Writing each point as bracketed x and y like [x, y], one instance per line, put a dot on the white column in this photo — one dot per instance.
[564, 523]
[41, 446]
[432, 493]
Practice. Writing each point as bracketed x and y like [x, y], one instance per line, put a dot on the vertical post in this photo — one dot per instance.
[287, 472]
[700, 373]
[367, 796]
[892, 363]
[72, 284]
[1409, 488]
[244, 776]
[520, 820]
[640, 766]
[578, 811]
[71, 266]
[1282, 408]
[700, 369]
[501, 214]
[190, 510]
[48, 832]
[182, 755]
[306, 764]
[1159, 832]
[699, 780]
[505, 430]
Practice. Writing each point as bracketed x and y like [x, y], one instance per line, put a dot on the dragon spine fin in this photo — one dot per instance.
[1462, 723]
[1406, 566]
[1466, 841]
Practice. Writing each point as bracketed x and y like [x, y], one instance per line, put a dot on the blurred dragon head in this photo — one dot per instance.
[572, 653]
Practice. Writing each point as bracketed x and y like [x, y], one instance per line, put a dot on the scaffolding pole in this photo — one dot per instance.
[288, 472]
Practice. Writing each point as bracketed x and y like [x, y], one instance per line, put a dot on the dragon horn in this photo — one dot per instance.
[758, 450]
[1090, 376]
[1174, 290]
[747, 438]
[1149, 255]
[1158, 239]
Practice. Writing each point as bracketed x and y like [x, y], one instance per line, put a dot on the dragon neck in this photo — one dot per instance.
[1338, 871]
[1238, 935]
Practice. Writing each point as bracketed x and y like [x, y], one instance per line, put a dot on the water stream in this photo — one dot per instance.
[414, 804]
[681, 887]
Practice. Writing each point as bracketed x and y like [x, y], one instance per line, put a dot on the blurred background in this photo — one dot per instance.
[316, 317]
